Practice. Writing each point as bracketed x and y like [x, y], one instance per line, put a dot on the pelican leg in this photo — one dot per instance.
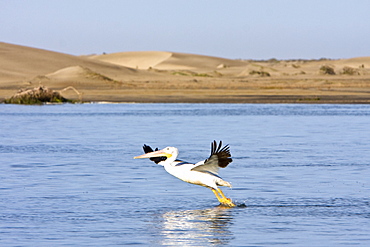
[222, 198]
[226, 201]
[217, 195]
[221, 192]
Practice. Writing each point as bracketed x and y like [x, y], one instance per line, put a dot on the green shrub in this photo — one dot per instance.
[349, 71]
[36, 96]
[327, 70]
[260, 73]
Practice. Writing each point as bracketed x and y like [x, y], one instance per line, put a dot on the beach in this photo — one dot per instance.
[171, 77]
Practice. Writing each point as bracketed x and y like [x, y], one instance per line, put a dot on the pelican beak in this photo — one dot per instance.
[159, 153]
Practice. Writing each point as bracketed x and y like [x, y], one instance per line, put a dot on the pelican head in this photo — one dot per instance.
[169, 154]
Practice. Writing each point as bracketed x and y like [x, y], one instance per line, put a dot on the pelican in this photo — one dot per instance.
[204, 173]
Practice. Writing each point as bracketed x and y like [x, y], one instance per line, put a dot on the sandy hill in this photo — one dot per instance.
[182, 61]
[77, 76]
[191, 64]
[178, 77]
[23, 63]
[136, 60]
[168, 61]
[24, 67]
[357, 62]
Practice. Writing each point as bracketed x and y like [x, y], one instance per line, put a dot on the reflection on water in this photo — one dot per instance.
[195, 227]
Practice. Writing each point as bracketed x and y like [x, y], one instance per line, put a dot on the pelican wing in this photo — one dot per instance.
[148, 149]
[220, 157]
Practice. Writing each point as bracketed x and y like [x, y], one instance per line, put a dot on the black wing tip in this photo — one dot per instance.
[148, 149]
[218, 148]
[223, 153]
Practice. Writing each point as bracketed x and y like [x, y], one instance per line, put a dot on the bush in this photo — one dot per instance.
[349, 71]
[36, 96]
[327, 70]
[260, 73]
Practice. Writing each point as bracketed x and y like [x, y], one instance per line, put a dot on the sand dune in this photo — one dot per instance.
[77, 76]
[26, 67]
[172, 61]
[169, 61]
[358, 62]
[22, 63]
[179, 77]
[72, 72]
[136, 60]
[76, 73]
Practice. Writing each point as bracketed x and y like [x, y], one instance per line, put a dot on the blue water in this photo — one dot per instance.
[68, 177]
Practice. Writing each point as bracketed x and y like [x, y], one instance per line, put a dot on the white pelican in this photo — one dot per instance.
[204, 173]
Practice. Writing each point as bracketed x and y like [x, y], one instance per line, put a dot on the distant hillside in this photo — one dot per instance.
[157, 76]
[168, 61]
[23, 63]
[191, 64]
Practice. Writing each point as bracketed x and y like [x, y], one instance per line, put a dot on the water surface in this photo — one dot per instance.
[68, 176]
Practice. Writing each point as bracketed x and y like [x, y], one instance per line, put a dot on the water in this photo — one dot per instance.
[68, 176]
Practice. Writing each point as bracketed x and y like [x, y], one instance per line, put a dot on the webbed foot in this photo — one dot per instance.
[222, 198]
[227, 202]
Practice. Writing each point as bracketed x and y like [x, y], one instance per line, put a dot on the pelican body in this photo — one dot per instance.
[204, 173]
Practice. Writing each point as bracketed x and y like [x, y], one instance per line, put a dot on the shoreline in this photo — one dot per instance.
[171, 77]
[246, 100]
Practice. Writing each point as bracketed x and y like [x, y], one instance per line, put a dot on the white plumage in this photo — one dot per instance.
[204, 173]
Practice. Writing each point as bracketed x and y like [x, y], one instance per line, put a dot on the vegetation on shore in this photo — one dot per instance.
[36, 96]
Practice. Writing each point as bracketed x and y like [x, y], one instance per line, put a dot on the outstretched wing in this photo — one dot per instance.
[220, 157]
[148, 149]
